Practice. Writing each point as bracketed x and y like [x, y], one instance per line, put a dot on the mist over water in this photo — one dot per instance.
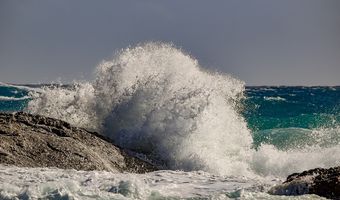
[156, 99]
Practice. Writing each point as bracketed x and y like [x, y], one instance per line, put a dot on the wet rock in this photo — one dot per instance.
[36, 141]
[319, 181]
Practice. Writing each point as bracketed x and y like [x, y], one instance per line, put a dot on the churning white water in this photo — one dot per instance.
[157, 100]
[58, 184]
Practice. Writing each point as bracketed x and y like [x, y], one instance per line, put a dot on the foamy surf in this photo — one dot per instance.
[155, 99]
[49, 183]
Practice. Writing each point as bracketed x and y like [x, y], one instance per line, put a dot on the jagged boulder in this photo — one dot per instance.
[36, 141]
[319, 181]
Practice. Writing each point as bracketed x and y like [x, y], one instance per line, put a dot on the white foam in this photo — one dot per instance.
[50, 183]
[71, 184]
[269, 161]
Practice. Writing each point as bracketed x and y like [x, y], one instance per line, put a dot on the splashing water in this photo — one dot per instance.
[156, 99]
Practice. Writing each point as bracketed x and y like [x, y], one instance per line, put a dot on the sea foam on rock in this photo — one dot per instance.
[35, 141]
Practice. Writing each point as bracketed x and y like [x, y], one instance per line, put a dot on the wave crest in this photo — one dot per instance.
[156, 99]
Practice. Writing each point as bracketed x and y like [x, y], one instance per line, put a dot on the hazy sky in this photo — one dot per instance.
[263, 42]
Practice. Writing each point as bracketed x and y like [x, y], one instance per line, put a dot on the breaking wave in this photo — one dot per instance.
[156, 99]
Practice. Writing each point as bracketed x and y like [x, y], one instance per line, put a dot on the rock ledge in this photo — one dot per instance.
[36, 141]
[319, 181]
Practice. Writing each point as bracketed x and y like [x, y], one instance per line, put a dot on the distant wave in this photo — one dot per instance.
[4, 98]
[274, 98]
[21, 87]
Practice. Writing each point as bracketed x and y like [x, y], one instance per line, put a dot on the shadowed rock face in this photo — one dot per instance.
[323, 182]
[35, 141]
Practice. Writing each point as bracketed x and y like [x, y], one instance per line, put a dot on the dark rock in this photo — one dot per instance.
[319, 181]
[36, 141]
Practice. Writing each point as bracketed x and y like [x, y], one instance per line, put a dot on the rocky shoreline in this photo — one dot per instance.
[28, 140]
[36, 141]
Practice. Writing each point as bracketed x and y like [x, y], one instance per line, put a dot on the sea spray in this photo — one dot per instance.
[156, 99]
[74, 105]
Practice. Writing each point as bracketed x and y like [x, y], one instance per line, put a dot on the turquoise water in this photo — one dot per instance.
[283, 107]
[282, 116]
[287, 116]
[12, 98]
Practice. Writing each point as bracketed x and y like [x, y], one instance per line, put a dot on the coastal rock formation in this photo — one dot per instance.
[36, 141]
[319, 181]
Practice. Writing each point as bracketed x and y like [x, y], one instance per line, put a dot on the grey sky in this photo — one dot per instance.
[263, 42]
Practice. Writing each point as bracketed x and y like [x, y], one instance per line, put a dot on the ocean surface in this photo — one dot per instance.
[214, 137]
